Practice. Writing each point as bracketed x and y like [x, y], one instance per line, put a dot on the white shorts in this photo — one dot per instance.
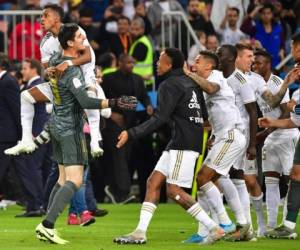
[178, 167]
[278, 155]
[46, 90]
[226, 151]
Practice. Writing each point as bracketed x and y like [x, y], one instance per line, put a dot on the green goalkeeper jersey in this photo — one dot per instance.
[67, 116]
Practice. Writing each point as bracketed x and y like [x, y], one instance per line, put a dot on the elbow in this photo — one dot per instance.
[213, 89]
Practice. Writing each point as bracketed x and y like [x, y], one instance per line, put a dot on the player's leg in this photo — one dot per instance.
[154, 184]
[39, 93]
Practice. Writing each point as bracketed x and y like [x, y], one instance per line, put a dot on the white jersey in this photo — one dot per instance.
[243, 92]
[50, 45]
[223, 114]
[296, 97]
[274, 83]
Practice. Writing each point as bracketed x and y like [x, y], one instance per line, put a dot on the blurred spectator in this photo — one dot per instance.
[229, 31]
[24, 40]
[112, 13]
[98, 7]
[212, 42]
[266, 30]
[121, 82]
[120, 43]
[199, 20]
[108, 63]
[8, 5]
[195, 50]
[219, 8]
[142, 51]
[154, 13]
[10, 122]
[86, 22]
[140, 11]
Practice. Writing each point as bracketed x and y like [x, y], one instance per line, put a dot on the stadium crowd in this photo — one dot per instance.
[126, 38]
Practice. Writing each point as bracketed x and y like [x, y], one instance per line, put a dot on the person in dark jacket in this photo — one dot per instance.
[181, 104]
[10, 122]
[121, 82]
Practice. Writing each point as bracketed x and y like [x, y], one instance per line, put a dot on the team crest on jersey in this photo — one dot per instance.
[194, 102]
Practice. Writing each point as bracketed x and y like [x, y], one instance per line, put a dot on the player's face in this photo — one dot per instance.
[260, 65]
[200, 65]
[245, 59]
[26, 71]
[48, 19]
[163, 64]
[78, 41]
[295, 49]
[223, 58]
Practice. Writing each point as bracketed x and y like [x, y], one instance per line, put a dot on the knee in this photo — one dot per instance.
[205, 175]
[171, 191]
[272, 174]
[251, 181]
[77, 183]
[152, 184]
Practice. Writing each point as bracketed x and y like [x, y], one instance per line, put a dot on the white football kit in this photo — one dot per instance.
[279, 147]
[227, 126]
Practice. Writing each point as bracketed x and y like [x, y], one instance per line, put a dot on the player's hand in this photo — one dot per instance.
[251, 153]
[186, 69]
[149, 110]
[123, 138]
[210, 142]
[292, 76]
[265, 122]
[290, 105]
[124, 102]
[50, 72]
[60, 68]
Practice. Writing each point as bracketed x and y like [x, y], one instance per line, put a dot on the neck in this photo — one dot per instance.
[244, 71]
[55, 30]
[232, 26]
[70, 52]
[267, 76]
[228, 70]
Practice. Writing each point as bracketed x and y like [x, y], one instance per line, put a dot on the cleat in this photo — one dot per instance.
[240, 233]
[98, 212]
[214, 235]
[281, 232]
[195, 238]
[86, 218]
[250, 236]
[96, 151]
[22, 147]
[73, 220]
[51, 235]
[137, 237]
[230, 228]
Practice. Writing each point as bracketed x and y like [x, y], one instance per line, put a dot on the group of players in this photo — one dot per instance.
[227, 95]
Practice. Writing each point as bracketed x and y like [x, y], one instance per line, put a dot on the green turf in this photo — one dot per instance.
[169, 227]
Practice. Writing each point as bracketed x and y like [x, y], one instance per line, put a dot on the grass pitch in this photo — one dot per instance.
[169, 227]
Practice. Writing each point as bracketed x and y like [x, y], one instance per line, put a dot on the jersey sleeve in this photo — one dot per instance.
[261, 85]
[45, 53]
[247, 93]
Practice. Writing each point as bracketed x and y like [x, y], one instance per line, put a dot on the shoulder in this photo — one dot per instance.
[237, 76]
[46, 39]
[275, 79]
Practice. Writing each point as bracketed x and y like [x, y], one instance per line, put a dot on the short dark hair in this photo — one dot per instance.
[105, 60]
[211, 56]
[86, 12]
[34, 64]
[232, 51]
[264, 53]
[266, 6]
[4, 61]
[124, 18]
[176, 56]
[296, 38]
[235, 9]
[56, 8]
[242, 46]
[67, 33]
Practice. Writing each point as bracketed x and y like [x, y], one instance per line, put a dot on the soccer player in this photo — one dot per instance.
[287, 229]
[279, 147]
[51, 21]
[181, 104]
[66, 127]
[228, 142]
